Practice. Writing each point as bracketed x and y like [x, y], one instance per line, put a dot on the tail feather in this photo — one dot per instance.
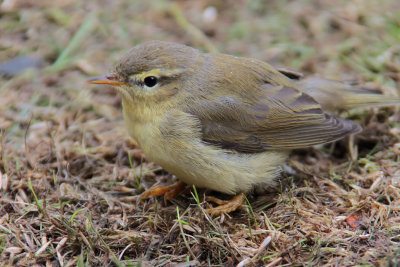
[333, 95]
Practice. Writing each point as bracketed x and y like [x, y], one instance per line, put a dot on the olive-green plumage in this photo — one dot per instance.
[223, 122]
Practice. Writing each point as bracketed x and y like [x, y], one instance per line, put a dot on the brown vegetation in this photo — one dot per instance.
[70, 175]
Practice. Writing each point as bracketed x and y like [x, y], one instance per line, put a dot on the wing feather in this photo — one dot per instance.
[285, 118]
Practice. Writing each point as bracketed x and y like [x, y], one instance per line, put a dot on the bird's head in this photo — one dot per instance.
[152, 71]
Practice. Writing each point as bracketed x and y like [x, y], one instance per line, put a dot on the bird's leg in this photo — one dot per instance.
[169, 191]
[225, 206]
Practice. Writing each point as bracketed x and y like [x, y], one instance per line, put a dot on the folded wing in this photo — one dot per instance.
[279, 118]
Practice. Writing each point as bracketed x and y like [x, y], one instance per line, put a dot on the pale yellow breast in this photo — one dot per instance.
[195, 162]
[146, 132]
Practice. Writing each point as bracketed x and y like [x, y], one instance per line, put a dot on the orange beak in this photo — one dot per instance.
[110, 79]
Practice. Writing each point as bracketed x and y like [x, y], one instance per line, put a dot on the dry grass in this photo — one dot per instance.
[70, 176]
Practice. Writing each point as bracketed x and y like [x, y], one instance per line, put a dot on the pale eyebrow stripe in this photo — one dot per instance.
[157, 73]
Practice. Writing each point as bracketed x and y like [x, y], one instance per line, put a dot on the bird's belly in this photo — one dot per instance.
[206, 166]
[159, 150]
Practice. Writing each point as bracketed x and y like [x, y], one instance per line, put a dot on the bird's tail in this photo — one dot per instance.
[334, 95]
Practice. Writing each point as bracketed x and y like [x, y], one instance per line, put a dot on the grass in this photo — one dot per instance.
[70, 175]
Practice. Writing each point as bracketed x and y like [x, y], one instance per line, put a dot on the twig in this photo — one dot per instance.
[192, 30]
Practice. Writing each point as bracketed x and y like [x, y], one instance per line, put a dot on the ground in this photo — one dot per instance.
[70, 175]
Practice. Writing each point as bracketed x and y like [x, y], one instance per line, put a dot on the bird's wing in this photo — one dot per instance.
[281, 118]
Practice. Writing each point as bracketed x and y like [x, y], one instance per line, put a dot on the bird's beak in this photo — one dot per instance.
[110, 79]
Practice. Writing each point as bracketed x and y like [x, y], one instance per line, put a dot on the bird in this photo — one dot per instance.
[223, 122]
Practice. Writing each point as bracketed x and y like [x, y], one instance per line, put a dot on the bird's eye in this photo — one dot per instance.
[150, 81]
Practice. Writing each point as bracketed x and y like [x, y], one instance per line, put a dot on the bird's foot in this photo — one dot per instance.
[169, 191]
[225, 206]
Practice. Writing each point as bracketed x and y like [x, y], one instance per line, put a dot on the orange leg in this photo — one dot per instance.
[225, 206]
[169, 191]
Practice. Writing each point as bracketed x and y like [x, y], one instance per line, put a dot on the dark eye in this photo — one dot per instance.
[150, 81]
